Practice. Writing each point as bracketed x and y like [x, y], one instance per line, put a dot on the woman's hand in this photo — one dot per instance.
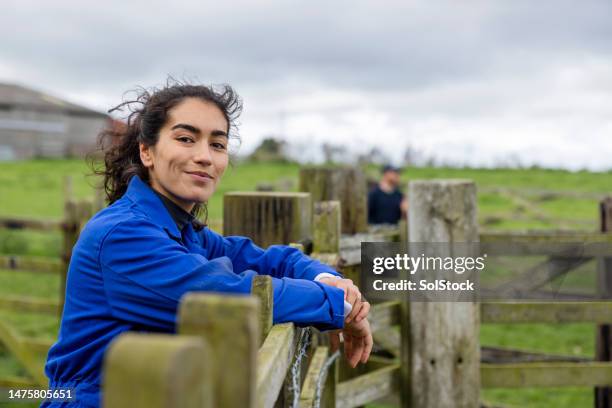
[359, 308]
[357, 341]
[356, 333]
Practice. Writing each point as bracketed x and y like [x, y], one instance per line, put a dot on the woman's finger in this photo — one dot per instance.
[368, 344]
[355, 309]
[353, 295]
[356, 306]
[334, 340]
[363, 311]
[347, 347]
[357, 350]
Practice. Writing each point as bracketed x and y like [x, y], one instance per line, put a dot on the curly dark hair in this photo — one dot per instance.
[148, 113]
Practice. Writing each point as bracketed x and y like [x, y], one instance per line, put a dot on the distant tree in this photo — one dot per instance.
[373, 156]
[333, 153]
[270, 150]
[412, 156]
[417, 158]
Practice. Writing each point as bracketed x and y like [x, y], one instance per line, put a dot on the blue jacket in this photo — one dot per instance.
[130, 267]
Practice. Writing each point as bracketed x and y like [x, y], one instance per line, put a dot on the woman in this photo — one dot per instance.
[137, 257]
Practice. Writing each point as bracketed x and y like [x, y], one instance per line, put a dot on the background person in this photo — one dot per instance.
[386, 203]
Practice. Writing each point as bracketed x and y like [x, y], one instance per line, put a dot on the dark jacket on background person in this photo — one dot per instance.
[384, 208]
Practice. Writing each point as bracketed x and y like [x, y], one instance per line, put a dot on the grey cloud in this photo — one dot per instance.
[387, 45]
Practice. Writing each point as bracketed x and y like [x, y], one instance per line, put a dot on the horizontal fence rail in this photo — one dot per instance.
[31, 264]
[561, 374]
[539, 312]
[29, 305]
[15, 223]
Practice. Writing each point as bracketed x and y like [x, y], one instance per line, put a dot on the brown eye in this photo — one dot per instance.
[184, 139]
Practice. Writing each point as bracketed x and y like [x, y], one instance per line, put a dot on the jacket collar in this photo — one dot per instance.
[149, 203]
[180, 216]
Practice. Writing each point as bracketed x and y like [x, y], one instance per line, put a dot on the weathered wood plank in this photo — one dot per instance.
[157, 371]
[350, 245]
[540, 312]
[440, 350]
[315, 370]
[384, 315]
[488, 295]
[545, 237]
[28, 304]
[71, 229]
[355, 240]
[19, 382]
[603, 337]
[582, 244]
[273, 360]
[502, 355]
[389, 339]
[333, 260]
[499, 244]
[310, 381]
[230, 325]
[261, 287]
[345, 184]
[31, 264]
[326, 226]
[37, 346]
[16, 223]
[268, 218]
[26, 357]
[546, 375]
[368, 387]
[541, 274]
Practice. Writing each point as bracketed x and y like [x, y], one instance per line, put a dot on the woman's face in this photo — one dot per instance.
[191, 155]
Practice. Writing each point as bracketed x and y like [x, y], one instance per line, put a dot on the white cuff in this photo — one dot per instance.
[325, 275]
[347, 305]
[347, 308]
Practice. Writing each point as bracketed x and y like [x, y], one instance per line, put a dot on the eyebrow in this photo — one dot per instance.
[196, 130]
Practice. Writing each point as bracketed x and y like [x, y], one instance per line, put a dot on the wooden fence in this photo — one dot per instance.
[434, 347]
[31, 352]
[227, 353]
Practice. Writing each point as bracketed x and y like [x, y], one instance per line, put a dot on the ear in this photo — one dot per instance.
[146, 156]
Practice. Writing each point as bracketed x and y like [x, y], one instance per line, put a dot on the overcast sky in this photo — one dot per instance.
[474, 82]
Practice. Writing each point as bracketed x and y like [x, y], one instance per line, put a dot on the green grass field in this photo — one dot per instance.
[508, 200]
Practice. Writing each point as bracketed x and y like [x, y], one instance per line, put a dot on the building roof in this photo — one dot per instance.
[17, 96]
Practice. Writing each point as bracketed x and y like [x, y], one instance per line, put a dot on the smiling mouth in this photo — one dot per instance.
[201, 175]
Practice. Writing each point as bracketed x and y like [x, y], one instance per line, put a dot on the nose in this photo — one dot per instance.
[202, 155]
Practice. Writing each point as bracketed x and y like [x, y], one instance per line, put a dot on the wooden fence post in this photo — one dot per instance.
[440, 350]
[99, 199]
[85, 210]
[68, 188]
[263, 290]
[230, 326]
[70, 230]
[328, 396]
[157, 371]
[345, 184]
[326, 227]
[603, 339]
[268, 218]
[76, 214]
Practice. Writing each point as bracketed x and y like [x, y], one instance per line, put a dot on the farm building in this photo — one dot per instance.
[34, 124]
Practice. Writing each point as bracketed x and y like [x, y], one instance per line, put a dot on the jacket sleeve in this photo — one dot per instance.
[278, 260]
[146, 273]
